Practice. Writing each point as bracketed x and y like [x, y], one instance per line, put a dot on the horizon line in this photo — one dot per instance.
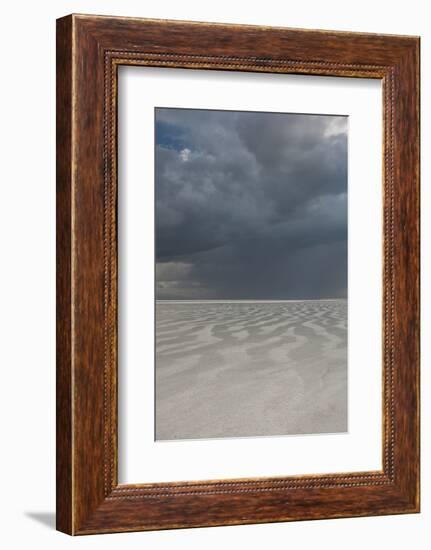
[249, 300]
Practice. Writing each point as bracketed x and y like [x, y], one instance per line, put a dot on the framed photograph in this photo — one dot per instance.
[237, 274]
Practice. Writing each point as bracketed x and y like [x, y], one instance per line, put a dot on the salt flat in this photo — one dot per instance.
[244, 368]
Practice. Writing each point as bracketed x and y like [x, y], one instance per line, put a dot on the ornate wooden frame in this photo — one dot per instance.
[89, 51]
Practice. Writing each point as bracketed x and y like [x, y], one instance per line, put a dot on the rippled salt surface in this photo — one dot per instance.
[243, 369]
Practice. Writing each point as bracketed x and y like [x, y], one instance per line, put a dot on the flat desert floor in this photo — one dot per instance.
[244, 369]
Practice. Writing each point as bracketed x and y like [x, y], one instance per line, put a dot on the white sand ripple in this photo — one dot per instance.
[243, 369]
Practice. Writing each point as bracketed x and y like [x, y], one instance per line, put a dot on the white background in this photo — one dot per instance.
[141, 458]
[27, 122]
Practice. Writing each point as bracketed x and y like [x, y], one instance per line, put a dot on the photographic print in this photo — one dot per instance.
[238, 254]
[251, 274]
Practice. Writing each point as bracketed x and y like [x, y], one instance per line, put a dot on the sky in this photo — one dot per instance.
[250, 205]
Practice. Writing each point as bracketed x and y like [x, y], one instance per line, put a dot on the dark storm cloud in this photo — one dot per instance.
[250, 205]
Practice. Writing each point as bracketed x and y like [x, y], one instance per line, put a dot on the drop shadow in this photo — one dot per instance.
[45, 518]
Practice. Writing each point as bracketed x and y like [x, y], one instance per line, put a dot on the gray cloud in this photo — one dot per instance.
[250, 205]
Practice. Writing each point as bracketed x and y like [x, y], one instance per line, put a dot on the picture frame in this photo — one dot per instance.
[89, 51]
